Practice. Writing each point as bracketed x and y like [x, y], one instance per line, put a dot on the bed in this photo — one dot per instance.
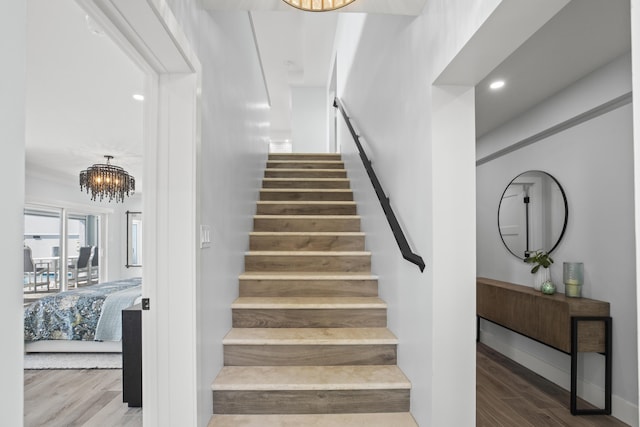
[86, 319]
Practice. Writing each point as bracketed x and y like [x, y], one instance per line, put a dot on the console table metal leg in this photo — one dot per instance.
[574, 365]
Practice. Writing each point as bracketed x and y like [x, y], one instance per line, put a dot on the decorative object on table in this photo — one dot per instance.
[573, 278]
[318, 5]
[540, 270]
[106, 180]
[548, 288]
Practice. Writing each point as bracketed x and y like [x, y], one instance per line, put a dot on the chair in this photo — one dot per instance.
[95, 270]
[82, 265]
[34, 270]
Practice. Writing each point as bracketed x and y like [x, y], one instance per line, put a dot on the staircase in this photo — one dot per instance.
[309, 344]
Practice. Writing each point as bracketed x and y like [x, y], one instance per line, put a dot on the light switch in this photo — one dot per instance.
[205, 236]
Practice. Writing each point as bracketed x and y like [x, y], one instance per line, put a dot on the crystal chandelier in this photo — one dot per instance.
[106, 180]
[318, 5]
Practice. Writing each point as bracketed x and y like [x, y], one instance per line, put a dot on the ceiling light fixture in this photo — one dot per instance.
[138, 97]
[498, 84]
[318, 5]
[107, 180]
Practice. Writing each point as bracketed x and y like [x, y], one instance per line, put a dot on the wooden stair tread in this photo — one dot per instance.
[307, 233]
[312, 182]
[303, 275]
[310, 179]
[306, 190]
[396, 419]
[306, 202]
[310, 171]
[306, 217]
[319, 154]
[308, 253]
[314, 162]
[306, 303]
[353, 377]
[310, 336]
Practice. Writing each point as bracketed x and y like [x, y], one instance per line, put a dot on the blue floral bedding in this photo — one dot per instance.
[71, 315]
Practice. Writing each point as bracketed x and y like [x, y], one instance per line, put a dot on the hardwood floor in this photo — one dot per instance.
[508, 395]
[66, 397]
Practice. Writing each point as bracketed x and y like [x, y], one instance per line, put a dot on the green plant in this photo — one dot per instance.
[540, 259]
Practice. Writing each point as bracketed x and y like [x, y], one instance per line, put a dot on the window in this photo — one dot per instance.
[43, 228]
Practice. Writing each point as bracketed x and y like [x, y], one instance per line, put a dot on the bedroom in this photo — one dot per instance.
[79, 108]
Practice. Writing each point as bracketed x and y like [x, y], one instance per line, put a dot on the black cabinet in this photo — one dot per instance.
[132, 355]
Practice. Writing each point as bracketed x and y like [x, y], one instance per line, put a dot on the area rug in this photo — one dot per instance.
[73, 361]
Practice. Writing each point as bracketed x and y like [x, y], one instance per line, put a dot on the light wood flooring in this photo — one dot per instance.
[508, 395]
[70, 398]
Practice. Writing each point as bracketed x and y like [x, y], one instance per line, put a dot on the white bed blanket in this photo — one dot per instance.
[109, 327]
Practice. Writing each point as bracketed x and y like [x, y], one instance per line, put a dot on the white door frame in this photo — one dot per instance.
[149, 33]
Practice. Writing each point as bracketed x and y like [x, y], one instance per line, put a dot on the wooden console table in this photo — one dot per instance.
[570, 325]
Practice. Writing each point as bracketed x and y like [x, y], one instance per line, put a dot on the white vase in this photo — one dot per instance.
[541, 276]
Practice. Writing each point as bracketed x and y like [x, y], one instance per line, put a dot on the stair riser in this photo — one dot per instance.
[281, 164]
[267, 208]
[306, 173]
[309, 355]
[306, 243]
[306, 224]
[301, 183]
[309, 318]
[294, 263]
[310, 401]
[308, 288]
[311, 195]
[328, 156]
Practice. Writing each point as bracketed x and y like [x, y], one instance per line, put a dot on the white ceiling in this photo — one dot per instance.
[583, 36]
[296, 47]
[80, 84]
[393, 7]
[296, 50]
[79, 104]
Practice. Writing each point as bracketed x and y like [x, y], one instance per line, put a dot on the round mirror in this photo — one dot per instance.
[532, 214]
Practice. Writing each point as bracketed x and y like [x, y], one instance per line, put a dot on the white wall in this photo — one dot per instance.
[309, 119]
[64, 192]
[391, 108]
[232, 160]
[12, 134]
[635, 54]
[421, 139]
[593, 161]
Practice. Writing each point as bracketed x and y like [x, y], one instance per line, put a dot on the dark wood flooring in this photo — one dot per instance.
[508, 395]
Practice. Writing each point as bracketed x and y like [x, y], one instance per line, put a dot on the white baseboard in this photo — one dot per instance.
[621, 409]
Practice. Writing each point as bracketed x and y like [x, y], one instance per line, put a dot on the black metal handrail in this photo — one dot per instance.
[407, 253]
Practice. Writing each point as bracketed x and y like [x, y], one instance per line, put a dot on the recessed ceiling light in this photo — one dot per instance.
[498, 84]
[93, 26]
[138, 97]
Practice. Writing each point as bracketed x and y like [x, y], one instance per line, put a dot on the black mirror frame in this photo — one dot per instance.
[566, 210]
